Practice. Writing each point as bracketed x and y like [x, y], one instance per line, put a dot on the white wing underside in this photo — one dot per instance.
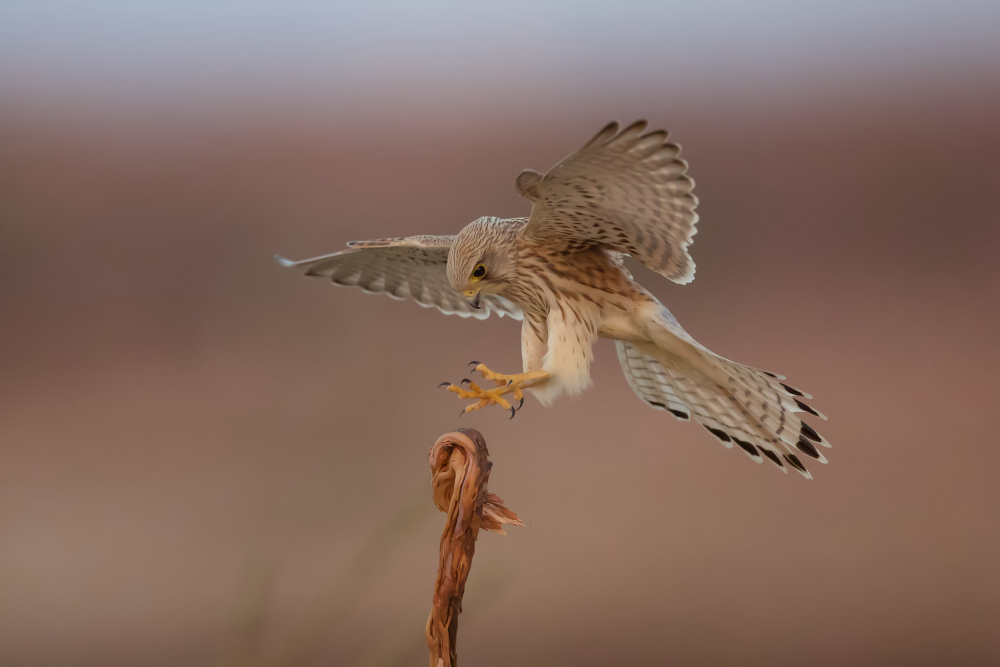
[403, 267]
[739, 405]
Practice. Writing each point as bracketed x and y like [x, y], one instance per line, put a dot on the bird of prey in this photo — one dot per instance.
[626, 192]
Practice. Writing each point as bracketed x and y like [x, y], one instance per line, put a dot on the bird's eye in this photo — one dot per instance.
[479, 272]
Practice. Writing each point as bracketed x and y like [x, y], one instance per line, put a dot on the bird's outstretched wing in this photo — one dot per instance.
[739, 405]
[627, 191]
[413, 266]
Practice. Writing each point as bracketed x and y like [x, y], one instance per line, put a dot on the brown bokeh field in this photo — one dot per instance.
[210, 460]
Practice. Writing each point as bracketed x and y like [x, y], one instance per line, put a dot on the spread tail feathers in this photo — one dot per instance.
[738, 405]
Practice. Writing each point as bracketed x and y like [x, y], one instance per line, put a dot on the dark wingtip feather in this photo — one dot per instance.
[747, 447]
[772, 457]
[721, 435]
[808, 432]
[806, 408]
[807, 447]
[793, 460]
[675, 413]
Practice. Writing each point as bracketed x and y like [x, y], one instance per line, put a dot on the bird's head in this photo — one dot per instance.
[481, 260]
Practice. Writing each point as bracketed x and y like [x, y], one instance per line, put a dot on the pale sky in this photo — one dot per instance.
[139, 42]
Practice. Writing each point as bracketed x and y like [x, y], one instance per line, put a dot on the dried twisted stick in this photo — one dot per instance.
[460, 468]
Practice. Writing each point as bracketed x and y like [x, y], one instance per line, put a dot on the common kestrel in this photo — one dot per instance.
[561, 271]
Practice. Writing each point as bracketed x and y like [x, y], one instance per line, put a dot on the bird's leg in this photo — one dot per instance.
[516, 382]
[506, 384]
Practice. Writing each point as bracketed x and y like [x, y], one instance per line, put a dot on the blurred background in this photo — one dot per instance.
[208, 460]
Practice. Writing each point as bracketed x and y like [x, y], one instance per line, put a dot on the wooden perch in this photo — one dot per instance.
[460, 468]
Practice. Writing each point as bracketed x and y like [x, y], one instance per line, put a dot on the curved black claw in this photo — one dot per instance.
[521, 404]
[512, 412]
[473, 363]
[444, 384]
[461, 413]
[464, 380]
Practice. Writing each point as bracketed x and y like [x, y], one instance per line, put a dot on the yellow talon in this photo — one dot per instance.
[485, 396]
[506, 384]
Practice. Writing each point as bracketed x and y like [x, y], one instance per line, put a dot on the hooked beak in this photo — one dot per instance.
[475, 296]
